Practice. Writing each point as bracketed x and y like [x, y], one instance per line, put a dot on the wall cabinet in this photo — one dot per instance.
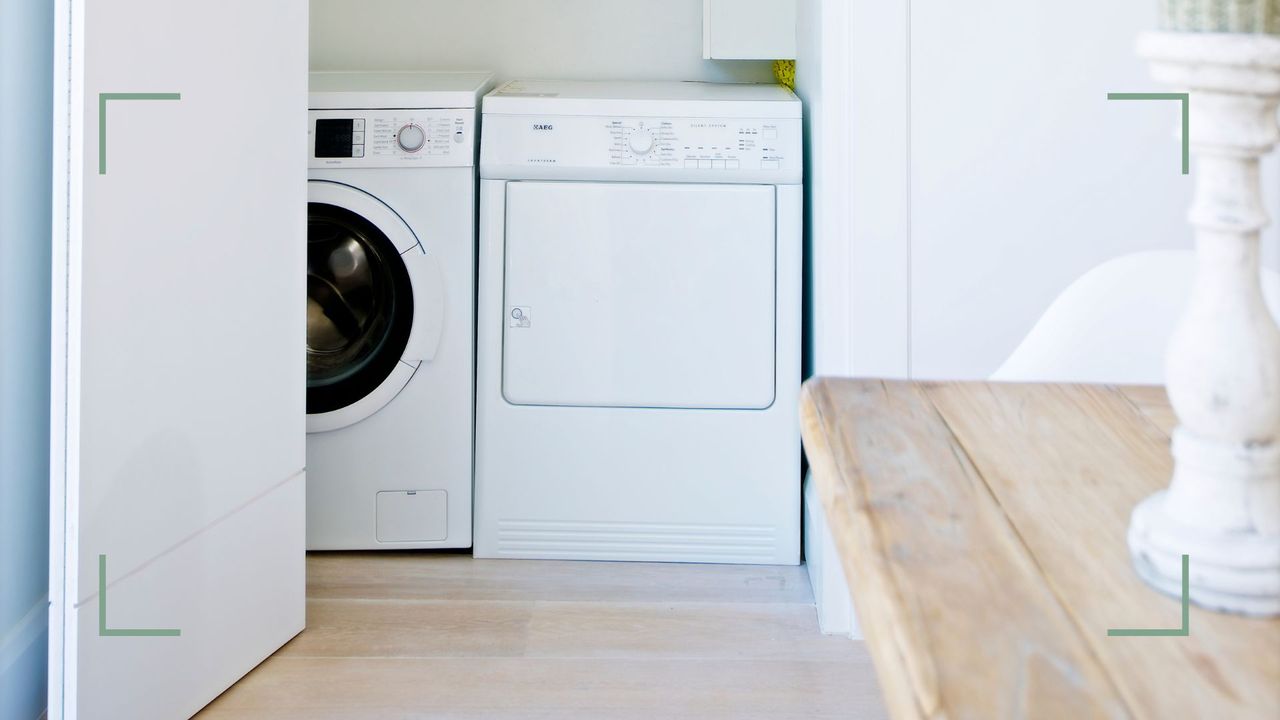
[749, 29]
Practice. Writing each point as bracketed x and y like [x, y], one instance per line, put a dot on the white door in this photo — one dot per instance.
[178, 381]
[640, 295]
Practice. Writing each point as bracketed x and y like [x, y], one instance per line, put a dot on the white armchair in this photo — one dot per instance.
[1114, 323]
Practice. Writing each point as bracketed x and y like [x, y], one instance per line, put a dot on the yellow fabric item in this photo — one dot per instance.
[785, 72]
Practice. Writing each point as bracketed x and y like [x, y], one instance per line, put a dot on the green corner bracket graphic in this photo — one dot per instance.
[1186, 118]
[105, 631]
[1183, 631]
[102, 118]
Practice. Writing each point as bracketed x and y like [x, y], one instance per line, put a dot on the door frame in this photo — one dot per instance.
[854, 72]
[64, 441]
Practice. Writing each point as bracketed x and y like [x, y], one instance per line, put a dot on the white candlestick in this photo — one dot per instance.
[1223, 365]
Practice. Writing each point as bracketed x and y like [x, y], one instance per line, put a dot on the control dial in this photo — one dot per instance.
[411, 138]
[641, 142]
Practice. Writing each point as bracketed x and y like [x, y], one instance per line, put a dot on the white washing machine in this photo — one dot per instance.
[390, 309]
[639, 323]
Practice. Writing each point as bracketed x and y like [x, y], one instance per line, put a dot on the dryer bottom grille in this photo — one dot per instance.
[659, 542]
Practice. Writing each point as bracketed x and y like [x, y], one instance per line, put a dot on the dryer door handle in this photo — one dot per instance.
[428, 305]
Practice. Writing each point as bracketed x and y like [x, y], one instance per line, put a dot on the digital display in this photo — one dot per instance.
[333, 138]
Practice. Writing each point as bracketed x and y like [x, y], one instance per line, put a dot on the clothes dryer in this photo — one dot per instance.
[639, 323]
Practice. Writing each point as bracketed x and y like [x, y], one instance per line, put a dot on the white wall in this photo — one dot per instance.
[1023, 175]
[563, 39]
[879, 189]
[26, 74]
[990, 171]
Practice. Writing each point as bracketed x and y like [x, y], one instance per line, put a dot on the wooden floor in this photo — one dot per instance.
[414, 635]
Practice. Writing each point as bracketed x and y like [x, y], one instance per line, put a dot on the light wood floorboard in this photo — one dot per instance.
[417, 576]
[418, 635]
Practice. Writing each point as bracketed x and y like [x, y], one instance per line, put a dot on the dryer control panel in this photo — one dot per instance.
[391, 138]
[643, 148]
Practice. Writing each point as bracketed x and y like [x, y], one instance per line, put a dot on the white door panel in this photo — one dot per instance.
[639, 295]
[232, 615]
[179, 352]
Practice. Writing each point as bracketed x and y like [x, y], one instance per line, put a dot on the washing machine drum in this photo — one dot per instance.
[359, 308]
[375, 305]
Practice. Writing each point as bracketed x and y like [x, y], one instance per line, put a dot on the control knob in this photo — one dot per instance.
[411, 138]
[641, 142]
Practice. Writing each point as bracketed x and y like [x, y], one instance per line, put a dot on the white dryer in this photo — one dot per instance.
[390, 309]
[639, 323]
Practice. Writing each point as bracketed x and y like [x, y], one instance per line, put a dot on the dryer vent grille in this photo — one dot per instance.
[659, 542]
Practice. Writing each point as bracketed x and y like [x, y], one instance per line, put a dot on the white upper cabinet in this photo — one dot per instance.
[749, 29]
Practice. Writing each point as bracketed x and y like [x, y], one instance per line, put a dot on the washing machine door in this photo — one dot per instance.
[375, 305]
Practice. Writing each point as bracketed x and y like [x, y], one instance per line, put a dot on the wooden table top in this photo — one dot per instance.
[982, 529]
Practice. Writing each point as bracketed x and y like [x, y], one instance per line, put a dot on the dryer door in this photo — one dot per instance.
[365, 272]
[640, 295]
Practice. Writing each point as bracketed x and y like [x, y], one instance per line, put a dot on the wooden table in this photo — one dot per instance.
[982, 529]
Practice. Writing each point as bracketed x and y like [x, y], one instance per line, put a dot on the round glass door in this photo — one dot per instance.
[359, 307]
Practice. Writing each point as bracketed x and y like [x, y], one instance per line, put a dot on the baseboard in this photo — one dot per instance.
[826, 575]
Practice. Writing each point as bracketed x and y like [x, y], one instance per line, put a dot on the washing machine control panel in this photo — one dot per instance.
[671, 149]
[391, 138]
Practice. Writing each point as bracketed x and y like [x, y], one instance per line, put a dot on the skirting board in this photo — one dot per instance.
[830, 590]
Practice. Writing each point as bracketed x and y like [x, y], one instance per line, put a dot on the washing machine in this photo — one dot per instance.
[390, 309]
[639, 323]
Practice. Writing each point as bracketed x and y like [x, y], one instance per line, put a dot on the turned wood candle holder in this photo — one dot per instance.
[1222, 507]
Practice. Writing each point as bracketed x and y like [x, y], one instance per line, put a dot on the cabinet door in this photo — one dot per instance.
[179, 332]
